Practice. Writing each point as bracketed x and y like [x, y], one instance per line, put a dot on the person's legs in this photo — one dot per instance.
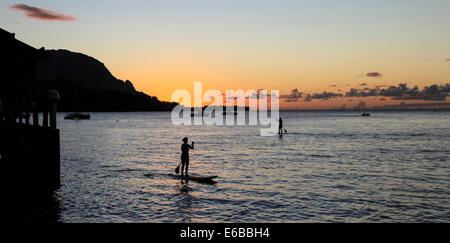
[187, 167]
[182, 167]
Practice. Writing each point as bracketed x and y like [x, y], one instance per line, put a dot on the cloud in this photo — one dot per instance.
[326, 95]
[403, 92]
[333, 85]
[41, 14]
[433, 92]
[291, 100]
[360, 93]
[308, 98]
[363, 84]
[295, 94]
[259, 95]
[448, 60]
[374, 75]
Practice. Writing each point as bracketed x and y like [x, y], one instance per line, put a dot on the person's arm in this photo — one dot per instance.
[191, 146]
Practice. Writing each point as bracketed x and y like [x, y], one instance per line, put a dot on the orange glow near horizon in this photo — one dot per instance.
[162, 46]
[161, 73]
[162, 79]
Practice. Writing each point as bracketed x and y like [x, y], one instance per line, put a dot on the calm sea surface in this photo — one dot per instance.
[331, 167]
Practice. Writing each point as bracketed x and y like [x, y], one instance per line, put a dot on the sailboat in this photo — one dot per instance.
[77, 115]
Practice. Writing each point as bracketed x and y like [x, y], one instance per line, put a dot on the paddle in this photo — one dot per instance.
[177, 170]
[285, 131]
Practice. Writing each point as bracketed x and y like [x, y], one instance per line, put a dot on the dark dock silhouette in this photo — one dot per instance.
[29, 138]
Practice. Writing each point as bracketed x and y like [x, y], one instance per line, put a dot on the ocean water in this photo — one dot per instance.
[331, 167]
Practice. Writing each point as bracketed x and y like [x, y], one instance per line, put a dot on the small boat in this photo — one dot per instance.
[365, 114]
[78, 116]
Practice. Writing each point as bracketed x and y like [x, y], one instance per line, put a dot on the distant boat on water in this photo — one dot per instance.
[78, 116]
[365, 114]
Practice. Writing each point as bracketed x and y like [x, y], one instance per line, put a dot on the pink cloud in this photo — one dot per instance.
[41, 14]
[374, 75]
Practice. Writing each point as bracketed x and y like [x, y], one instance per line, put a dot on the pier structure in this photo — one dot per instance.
[29, 137]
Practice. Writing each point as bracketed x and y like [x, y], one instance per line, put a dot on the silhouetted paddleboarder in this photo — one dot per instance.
[280, 126]
[184, 157]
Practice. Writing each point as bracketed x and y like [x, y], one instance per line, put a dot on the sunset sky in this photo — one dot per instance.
[311, 46]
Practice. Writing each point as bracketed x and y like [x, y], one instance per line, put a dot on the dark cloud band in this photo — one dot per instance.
[401, 92]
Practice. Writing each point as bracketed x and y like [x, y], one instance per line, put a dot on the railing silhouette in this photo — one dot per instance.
[27, 117]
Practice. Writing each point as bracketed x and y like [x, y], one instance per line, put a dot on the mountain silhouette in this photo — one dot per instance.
[85, 84]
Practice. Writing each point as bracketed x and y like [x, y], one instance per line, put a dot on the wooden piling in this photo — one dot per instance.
[53, 97]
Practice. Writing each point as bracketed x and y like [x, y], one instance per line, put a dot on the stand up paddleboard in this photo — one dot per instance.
[205, 179]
